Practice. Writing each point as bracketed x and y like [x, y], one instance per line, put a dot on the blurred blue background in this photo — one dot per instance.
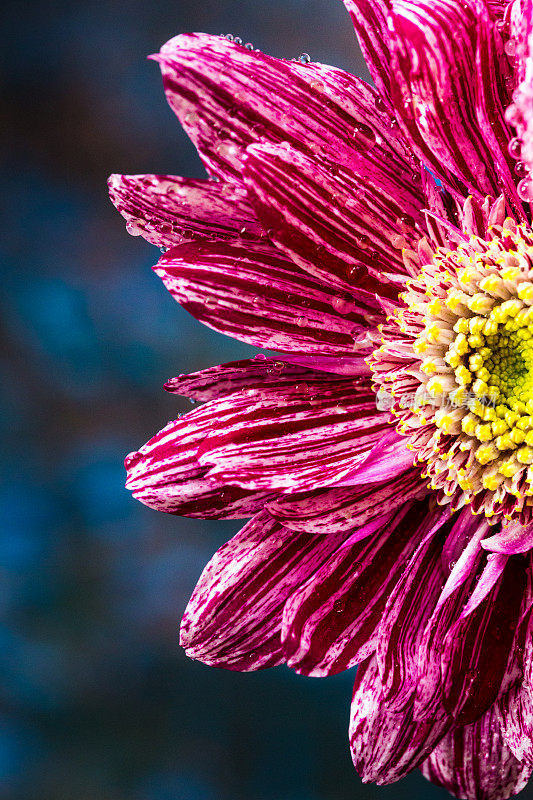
[97, 702]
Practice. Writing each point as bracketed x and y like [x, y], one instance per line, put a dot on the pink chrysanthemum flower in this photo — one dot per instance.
[381, 241]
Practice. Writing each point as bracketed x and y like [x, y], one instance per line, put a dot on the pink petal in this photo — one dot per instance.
[347, 227]
[516, 712]
[523, 96]
[253, 293]
[454, 116]
[165, 474]
[167, 210]
[294, 438]
[462, 555]
[473, 762]
[347, 508]
[513, 538]
[387, 745]
[410, 605]
[387, 459]
[250, 373]
[477, 647]
[233, 618]
[228, 97]
[281, 435]
[331, 622]
[370, 19]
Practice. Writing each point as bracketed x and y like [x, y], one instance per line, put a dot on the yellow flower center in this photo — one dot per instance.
[469, 319]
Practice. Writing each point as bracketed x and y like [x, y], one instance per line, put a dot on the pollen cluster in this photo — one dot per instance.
[460, 374]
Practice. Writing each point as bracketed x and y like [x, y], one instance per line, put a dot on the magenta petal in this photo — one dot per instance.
[295, 438]
[167, 210]
[473, 762]
[253, 293]
[250, 373]
[516, 711]
[347, 508]
[386, 745]
[477, 647]
[233, 618]
[370, 21]
[408, 609]
[513, 538]
[454, 116]
[387, 459]
[331, 622]
[228, 97]
[346, 227]
[165, 474]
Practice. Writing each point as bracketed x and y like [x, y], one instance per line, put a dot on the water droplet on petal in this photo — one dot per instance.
[249, 46]
[364, 135]
[133, 228]
[515, 147]
[318, 86]
[524, 190]
[304, 58]
[520, 169]
[510, 47]
[237, 40]
[191, 118]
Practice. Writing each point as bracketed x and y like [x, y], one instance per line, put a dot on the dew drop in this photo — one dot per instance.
[133, 228]
[510, 47]
[343, 305]
[260, 357]
[225, 149]
[191, 118]
[237, 40]
[249, 46]
[362, 241]
[520, 169]
[525, 190]
[229, 37]
[364, 135]
[304, 58]
[398, 242]
[379, 103]
[318, 86]
[515, 147]
[406, 222]
[512, 115]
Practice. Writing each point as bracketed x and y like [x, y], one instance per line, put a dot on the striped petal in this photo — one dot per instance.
[331, 622]
[250, 373]
[477, 647]
[165, 474]
[332, 510]
[253, 293]
[473, 762]
[233, 618]
[409, 606]
[513, 538]
[280, 436]
[455, 117]
[346, 227]
[228, 97]
[295, 438]
[167, 210]
[387, 745]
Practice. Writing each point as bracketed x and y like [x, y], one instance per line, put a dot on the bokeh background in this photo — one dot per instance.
[97, 702]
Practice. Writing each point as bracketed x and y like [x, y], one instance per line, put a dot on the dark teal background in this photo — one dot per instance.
[97, 702]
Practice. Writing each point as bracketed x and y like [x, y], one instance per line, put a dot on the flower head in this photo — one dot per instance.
[381, 241]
